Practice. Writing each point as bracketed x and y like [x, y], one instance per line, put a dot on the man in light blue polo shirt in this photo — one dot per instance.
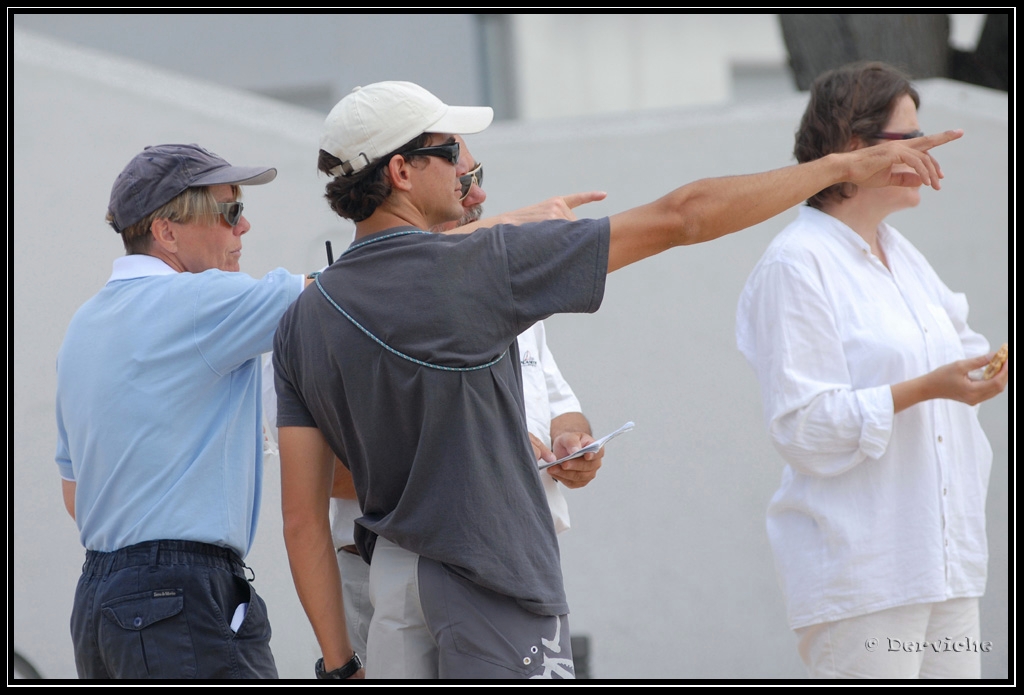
[159, 444]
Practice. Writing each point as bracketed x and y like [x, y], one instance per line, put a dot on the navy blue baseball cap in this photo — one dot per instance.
[160, 173]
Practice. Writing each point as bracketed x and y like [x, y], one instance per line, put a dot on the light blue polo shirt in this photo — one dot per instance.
[158, 404]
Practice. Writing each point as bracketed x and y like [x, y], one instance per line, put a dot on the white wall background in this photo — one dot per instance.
[548, 65]
[667, 566]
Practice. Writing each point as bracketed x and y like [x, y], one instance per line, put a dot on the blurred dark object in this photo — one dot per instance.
[21, 668]
[918, 44]
[989, 64]
[581, 655]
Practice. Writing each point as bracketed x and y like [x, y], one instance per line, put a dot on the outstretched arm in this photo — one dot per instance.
[307, 473]
[557, 208]
[711, 208]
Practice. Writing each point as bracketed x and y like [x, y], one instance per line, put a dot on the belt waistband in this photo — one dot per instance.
[163, 552]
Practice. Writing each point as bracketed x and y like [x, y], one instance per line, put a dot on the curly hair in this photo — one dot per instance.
[855, 100]
[188, 206]
[358, 196]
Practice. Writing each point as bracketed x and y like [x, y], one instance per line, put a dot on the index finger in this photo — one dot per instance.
[576, 199]
[926, 142]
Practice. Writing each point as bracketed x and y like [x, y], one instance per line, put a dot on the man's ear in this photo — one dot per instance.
[398, 172]
[164, 236]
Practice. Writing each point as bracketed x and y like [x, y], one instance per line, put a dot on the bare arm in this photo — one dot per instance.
[571, 432]
[67, 488]
[711, 208]
[307, 472]
[950, 381]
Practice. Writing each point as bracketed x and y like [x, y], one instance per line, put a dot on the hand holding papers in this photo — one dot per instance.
[593, 447]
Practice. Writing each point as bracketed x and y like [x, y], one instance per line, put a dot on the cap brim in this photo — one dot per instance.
[238, 176]
[462, 120]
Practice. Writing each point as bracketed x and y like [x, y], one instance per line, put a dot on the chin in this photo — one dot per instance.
[471, 214]
[908, 198]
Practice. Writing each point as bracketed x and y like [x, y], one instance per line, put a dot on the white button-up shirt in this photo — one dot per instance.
[875, 509]
[547, 395]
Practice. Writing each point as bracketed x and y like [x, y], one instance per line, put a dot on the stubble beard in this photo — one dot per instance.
[469, 216]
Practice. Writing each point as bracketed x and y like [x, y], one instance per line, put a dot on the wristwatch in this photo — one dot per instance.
[353, 665]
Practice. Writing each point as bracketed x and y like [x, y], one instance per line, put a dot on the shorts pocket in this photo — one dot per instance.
[483, 634]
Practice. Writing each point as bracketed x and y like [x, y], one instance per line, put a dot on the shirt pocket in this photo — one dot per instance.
[944, 344]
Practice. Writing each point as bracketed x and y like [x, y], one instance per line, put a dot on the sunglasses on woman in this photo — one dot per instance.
[232, 212]
[897, 136]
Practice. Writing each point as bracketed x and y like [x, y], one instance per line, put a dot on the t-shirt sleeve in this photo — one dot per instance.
[291, 407]
[63, 456]
[558, 266]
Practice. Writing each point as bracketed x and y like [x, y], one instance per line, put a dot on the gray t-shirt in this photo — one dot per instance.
[440, 458]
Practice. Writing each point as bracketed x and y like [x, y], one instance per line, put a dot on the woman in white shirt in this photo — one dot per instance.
[863, 355]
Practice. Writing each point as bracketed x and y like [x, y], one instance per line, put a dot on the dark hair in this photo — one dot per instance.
[854, 100]
[358, 196]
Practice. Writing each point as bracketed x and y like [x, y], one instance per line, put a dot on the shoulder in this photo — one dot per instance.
[229, 280]
[276, 286]
[798, 248]
[894, 241]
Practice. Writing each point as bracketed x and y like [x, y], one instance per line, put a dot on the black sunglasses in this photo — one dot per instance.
[449, 151]
[475, 175]
[232, 212]
[897, 136]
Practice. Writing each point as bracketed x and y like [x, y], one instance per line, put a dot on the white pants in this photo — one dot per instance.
[926, 640]
[398, 644]
[355, 590]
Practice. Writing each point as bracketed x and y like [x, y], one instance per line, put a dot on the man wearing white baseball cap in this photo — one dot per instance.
[402, 363]
[158, 419]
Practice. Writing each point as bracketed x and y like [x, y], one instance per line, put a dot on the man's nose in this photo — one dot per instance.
[476, 196]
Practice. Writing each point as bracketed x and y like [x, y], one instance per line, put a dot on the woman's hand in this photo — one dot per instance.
[951, 381]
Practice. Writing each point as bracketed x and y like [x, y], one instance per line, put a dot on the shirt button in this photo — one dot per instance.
[940, 439]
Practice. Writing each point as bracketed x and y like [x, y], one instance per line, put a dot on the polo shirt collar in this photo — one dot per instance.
[139, 266]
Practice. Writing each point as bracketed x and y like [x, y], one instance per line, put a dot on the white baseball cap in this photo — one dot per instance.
[373, 121]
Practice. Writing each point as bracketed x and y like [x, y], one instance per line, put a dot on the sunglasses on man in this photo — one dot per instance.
[449, 151]
[475, 175]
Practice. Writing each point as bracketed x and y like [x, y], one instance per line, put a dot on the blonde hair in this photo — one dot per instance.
[188, 206]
